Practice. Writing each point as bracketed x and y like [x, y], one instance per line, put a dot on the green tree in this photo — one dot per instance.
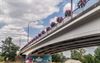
[88, 58]
[78, 54]
[58, 57]
[1, 58]
[97, 55]
[9, 49]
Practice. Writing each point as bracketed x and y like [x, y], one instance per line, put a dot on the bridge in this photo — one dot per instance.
[78, 31]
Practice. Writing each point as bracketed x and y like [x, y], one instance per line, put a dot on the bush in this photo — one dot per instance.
[1, 59]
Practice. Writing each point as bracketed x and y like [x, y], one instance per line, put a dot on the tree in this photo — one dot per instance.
[97, 55]
[9, 49]
[88, 58]
[58, 57]
[1, 58]
[78, 54]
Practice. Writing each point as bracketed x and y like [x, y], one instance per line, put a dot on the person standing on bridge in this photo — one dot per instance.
[67, 10]
[68, 13]
[81, 3]
[59, 19]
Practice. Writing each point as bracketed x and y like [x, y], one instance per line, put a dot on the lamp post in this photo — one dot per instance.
[28, 30]
[71, 8]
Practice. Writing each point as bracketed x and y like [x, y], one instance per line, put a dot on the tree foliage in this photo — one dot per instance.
[78, 54]
[59, 57]
[88, 58]
[9, 49]
[97, 55]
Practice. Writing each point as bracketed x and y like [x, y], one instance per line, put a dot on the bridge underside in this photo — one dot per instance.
[85, 41]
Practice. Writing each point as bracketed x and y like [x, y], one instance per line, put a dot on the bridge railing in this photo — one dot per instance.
[88, 4]
[75, 12]
[65, 21]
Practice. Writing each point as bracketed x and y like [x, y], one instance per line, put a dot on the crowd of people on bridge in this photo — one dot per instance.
[59, 20]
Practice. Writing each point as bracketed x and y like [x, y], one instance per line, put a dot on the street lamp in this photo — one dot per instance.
[71, 8]
[29, 30]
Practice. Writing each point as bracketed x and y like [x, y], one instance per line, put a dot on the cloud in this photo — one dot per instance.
[12, 31]
[16, 14]
[22, 12]
[68, 7]
[37, 24]
[53, 20]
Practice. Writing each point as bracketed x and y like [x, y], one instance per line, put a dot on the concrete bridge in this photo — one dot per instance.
[82, 30]
[78, 31]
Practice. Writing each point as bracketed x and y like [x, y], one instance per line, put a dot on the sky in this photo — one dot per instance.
[15, 15]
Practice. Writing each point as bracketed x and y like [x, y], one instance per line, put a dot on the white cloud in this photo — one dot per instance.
[53, 20]
[16, 14]
[13, 31]
[68, 7]
[38, 26]
[24, 11]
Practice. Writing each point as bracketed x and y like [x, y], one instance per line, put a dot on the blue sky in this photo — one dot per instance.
[46, 21]
[15, 16]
